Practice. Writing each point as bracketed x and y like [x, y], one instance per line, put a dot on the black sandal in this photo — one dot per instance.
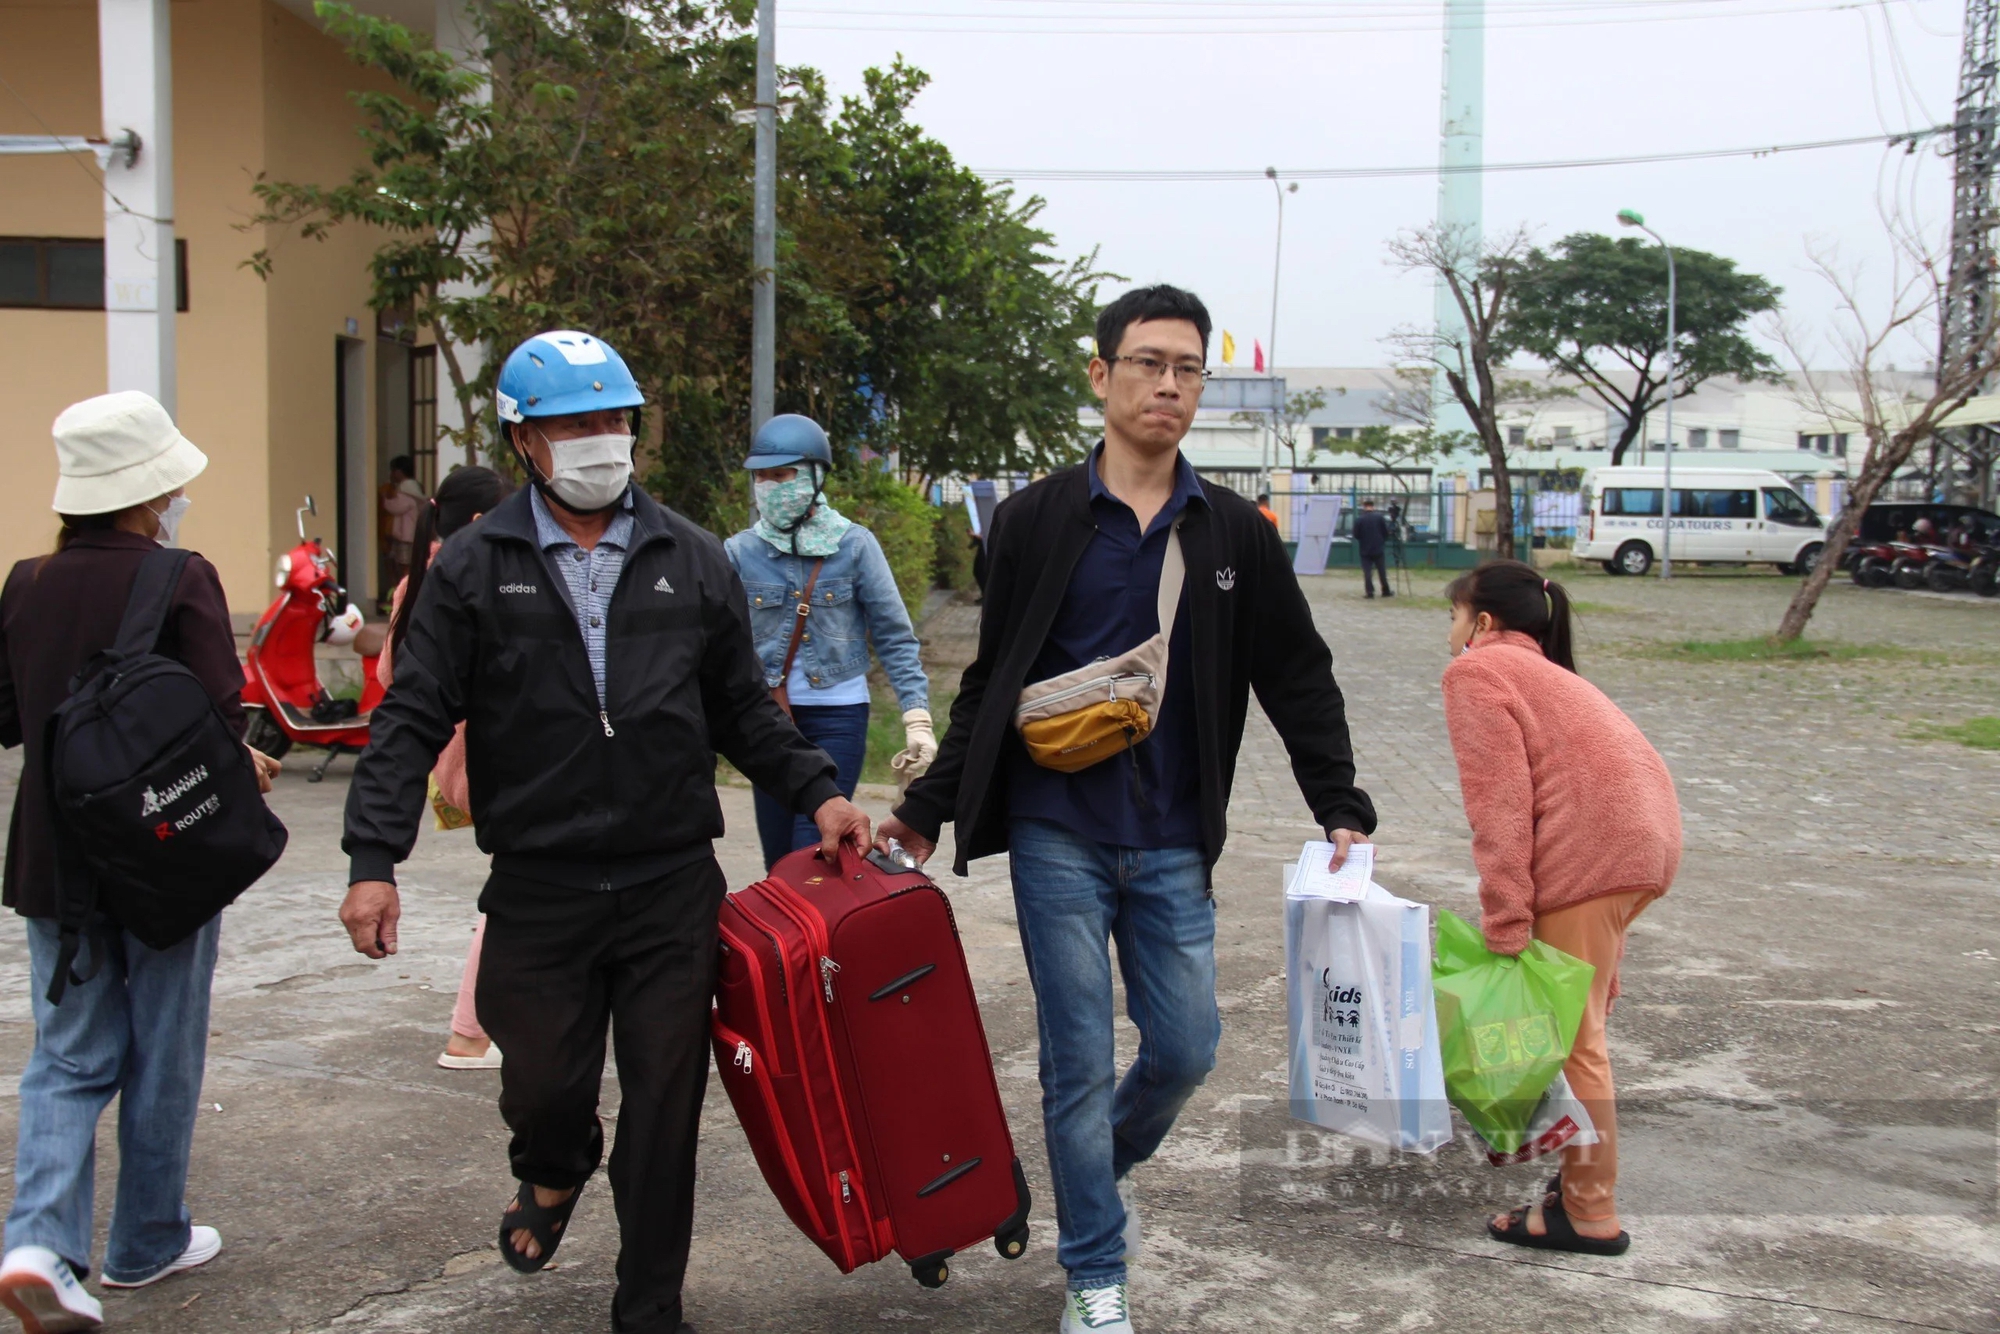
[1560, 1235]
[546, 1225]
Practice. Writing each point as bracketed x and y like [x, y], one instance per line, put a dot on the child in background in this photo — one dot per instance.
[1575, 830]
[462, 497]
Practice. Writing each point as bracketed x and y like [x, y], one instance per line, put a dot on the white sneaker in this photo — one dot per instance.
[204, 1244]
[39, 1287]
[1132, 1237]
[1097, 1311]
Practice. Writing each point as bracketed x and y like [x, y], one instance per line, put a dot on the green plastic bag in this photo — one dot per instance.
[1504, 1026]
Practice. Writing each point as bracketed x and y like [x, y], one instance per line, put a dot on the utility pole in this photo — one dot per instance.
[764, 239]
[1969, 298]
[134, 43]
[1271, 348]
[1633, 218]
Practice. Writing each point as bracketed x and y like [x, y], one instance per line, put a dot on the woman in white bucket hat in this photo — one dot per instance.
[139, 1026]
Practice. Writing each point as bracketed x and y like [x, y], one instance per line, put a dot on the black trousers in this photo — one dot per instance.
[559, 967]
[1370, 567]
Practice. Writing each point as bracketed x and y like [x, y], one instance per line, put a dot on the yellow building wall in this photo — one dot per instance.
[51, 358]
[315, 290]
[225, 373]
[255, 89]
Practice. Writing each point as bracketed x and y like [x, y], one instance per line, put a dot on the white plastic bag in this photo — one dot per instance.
[1560, 1120]
[1363, 1025]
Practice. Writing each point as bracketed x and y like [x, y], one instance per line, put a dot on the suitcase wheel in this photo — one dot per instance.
[1012, 1245]
[931, 1271]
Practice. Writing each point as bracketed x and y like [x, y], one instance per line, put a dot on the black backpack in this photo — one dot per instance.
[159, 822]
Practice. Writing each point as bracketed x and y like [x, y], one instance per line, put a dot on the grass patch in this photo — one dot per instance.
[1764, 650]
[1978, 733]
[885, 730]
[885, 737]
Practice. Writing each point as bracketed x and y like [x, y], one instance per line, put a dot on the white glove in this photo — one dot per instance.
[919, 748]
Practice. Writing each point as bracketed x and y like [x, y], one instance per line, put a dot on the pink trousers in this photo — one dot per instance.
[1594, 931]
[464, 1017]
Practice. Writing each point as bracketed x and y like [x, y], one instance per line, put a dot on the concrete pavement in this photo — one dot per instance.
[1809, 1044]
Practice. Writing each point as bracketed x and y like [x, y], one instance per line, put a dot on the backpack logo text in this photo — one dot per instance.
[152, 803]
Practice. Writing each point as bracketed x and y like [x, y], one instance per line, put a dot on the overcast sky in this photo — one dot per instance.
[1023, 84]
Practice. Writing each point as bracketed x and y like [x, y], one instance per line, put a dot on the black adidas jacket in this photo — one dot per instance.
[1251, 630]
[558, 793]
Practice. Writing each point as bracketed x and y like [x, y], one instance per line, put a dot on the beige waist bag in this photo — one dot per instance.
[1072, 721]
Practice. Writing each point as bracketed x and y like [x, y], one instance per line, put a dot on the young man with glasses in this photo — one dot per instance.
[1125, 848]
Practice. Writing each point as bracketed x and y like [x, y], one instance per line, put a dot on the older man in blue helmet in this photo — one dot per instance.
[597, 646]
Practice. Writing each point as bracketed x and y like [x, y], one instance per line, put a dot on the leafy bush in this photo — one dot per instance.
[953, 562]
[902, 521]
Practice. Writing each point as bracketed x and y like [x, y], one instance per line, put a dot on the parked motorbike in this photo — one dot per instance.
[1983, 577]
[1906, 566]
[1868, 562]
[281, 687]
[1949, 569]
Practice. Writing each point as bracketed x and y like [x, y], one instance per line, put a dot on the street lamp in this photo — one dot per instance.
[1631, 217]
[1271, 346]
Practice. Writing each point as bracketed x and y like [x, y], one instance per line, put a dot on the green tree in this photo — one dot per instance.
[972, 342]
[598, 179]
[1395, 449]
[1596, 309]
[1286, 423]
[1471, 356]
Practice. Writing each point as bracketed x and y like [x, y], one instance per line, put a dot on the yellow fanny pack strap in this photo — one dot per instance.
[1074, 739]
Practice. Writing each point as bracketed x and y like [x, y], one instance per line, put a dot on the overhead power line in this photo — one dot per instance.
[1909, 138]
[1236, 23]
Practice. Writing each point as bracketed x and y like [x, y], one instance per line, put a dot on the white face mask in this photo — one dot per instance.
[590, 472]
[169, 520]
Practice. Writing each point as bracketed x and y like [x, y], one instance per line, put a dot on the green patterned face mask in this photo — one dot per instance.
[781, 504]
[779, 507]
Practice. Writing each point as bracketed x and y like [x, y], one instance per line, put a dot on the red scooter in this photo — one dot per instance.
[281, 685]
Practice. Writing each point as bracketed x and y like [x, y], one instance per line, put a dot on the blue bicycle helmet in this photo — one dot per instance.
[560, 372]
[787, 439]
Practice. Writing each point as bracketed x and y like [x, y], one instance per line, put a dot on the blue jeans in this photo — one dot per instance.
[137, 1030]
[841, 730]
[1071, 895]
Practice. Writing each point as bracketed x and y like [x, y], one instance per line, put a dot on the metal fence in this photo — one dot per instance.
[1439, 525]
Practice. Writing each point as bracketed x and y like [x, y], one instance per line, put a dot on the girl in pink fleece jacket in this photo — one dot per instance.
[1575, 830]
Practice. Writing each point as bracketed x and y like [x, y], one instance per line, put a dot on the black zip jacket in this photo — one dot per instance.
[559, 793]
[1251, 630]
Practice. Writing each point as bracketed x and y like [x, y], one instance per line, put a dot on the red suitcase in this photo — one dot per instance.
[848, 1037]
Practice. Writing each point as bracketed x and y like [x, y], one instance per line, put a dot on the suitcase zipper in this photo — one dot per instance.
[827, 968]
[793, 1168]
[744, 1056]
[777, 895]
[807, 919]
[846, 1192]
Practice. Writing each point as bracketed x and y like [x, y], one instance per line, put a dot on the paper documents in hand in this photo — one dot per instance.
[1312, 878]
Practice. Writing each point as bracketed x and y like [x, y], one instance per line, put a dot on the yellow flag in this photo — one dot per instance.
[1228, 348]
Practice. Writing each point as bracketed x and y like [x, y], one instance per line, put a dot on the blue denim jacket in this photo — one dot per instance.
[855, 603]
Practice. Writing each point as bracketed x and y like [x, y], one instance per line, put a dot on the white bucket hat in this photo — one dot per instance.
[118, 450]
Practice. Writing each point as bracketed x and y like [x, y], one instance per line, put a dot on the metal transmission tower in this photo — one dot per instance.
[1970, 292]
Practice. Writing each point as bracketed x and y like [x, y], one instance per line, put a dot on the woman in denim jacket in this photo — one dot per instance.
[799, 539]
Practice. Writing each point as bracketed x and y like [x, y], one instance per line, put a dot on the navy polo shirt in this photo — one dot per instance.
[1111, 607]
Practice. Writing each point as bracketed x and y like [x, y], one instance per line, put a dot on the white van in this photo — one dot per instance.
[1734, 515]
